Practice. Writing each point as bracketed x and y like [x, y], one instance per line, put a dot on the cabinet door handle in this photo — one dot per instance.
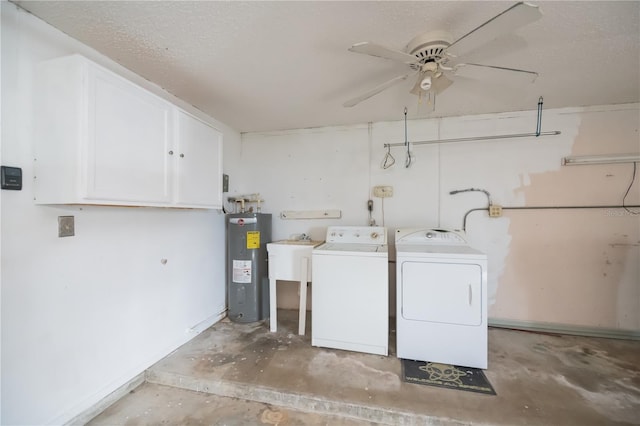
[170, 152]
[181, 155]
[470, 295]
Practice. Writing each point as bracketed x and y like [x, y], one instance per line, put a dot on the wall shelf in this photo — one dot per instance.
[311, 214]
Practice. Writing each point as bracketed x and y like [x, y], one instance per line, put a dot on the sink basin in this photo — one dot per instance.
[299, 242]
[285, 257]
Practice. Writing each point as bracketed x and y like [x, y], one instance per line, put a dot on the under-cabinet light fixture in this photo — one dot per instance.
[601, 159]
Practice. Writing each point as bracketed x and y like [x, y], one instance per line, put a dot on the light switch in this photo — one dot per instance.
[225, 183]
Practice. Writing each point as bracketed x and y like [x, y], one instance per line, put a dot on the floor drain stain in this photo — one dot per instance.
[271, 417]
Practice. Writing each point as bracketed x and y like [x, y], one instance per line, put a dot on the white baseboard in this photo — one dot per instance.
[610, 333]
[206, 323]
[97, 408]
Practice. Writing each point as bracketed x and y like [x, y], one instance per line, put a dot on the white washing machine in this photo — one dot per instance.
[350, 290]
[441, 305]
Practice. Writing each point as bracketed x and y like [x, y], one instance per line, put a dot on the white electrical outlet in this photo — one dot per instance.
[383, 191]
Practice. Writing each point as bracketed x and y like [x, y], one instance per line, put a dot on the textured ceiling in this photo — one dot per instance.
[262, 65]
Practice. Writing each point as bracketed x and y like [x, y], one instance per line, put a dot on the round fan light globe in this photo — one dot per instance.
[425, 84]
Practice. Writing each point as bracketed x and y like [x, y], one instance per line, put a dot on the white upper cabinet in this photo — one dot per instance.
[101, 139]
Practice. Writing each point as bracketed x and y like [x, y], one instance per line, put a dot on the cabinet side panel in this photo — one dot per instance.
[58, 102]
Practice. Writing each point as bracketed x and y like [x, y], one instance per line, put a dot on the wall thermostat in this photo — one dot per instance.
[11, 178]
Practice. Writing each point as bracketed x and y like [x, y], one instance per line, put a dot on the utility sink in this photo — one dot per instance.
[290, 260]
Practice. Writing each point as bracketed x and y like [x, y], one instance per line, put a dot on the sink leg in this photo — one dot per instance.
[302, 316]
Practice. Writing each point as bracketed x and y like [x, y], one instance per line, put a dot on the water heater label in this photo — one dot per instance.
[253, 239]
[242, 271]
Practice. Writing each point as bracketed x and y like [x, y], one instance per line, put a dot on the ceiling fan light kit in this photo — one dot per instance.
[427, 55]
[425, 84]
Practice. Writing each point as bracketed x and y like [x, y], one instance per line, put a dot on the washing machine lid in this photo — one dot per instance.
[352, 249]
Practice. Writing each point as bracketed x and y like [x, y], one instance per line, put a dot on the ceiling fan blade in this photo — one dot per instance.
[438, 84]
[380, 51]
[375, 90]
[471, 71]
[518, 15]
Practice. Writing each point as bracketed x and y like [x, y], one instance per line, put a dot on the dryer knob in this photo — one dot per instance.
[430, 234]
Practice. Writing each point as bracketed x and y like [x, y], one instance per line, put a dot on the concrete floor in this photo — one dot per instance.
[241, 374]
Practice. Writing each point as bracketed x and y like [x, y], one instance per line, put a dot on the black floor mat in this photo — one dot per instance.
[446, 376]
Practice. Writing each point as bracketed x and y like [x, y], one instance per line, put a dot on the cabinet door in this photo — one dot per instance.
[198, 177]
[128, 151]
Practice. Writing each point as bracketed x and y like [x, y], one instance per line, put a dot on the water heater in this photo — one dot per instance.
[247, 266]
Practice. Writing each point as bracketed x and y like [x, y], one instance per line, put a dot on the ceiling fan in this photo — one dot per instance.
[429, 55]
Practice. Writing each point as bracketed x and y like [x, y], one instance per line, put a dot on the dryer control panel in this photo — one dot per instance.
[430, 236]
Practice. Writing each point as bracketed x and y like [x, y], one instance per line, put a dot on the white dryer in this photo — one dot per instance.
[441, 300]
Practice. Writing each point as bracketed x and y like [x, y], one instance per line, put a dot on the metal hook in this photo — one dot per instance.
[539, 123]
[388, 159]
[407, 161]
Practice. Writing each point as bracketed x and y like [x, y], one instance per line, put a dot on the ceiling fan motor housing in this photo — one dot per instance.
[429, 47]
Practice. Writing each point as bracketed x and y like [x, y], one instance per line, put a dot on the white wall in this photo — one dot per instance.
[83, 315]
[570, 268]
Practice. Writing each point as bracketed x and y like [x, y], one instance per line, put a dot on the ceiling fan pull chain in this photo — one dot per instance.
[539, 123]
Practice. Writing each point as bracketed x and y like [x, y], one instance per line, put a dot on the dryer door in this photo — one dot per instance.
[442, 292]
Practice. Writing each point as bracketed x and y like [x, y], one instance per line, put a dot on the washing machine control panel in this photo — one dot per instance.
[357, 234]
[429, 236]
